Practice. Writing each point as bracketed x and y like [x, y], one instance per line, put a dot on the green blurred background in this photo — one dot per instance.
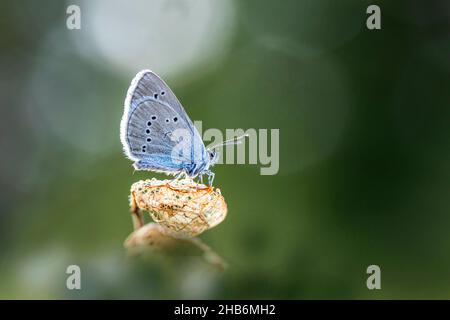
[364, 145]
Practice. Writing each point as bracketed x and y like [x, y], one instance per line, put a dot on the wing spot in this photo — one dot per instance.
[163, 93]
[167, 120]
[155, 95]
[153, 117]
[149, 123]
[147, 131]
[175, 119]
[143, 148]
[149, 139]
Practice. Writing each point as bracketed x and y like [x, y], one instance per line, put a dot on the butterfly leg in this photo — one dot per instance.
[182, 175]
[210, 177]
[136, 213]
[178, 176]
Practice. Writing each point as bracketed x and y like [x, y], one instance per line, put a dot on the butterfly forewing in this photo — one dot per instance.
[147, 84]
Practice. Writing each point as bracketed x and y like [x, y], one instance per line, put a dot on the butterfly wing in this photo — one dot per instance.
[156, 133]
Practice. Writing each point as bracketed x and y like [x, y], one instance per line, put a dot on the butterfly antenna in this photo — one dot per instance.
[235, 140]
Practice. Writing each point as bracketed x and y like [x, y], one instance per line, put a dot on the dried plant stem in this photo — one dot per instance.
[136, 213]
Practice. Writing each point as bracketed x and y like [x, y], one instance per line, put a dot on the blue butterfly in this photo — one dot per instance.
[157, 134]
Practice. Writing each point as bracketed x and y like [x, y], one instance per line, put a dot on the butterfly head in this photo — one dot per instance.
[213, 156]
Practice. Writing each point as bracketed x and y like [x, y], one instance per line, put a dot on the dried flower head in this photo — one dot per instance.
[183, 207]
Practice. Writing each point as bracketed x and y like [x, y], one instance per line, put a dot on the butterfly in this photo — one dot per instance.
[157, 134]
